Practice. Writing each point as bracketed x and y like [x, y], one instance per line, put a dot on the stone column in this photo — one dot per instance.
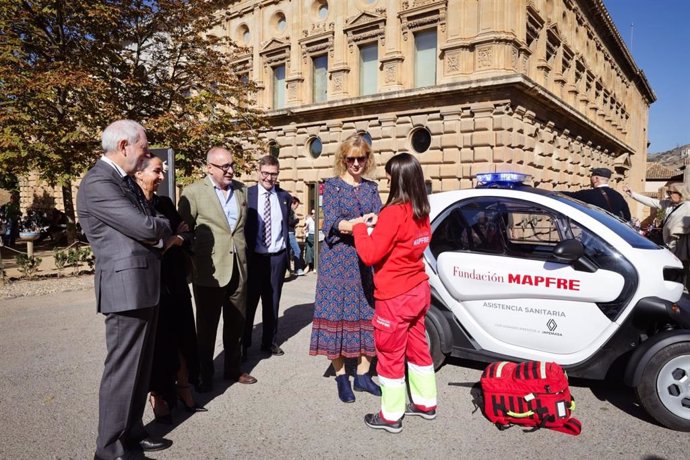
[392, 60]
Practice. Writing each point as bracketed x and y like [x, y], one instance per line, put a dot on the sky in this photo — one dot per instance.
[657, 35]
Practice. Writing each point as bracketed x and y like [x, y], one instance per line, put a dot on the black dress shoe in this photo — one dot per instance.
[152, 444]
[275, 350]
[128, 456]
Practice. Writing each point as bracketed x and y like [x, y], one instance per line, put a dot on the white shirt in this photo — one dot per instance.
[228, 203]
[311, 225]
[114, 165]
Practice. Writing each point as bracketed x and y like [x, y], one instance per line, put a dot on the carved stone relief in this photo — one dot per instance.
[389, 72]
[292, 90]
[484, 57]
[452, 59]
[338, 82]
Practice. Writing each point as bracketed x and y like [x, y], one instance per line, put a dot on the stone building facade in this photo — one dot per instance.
[545, 87]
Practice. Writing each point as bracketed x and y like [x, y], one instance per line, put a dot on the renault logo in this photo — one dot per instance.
[552, 325]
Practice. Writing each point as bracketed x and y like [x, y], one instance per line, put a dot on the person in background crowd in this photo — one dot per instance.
[127, 240]
[344, 289]
[57, 226]
[12, 215]
[310, 225]
[602, 195]
[175, 363]
[267, 237]
[293, 221]
[215, 209]
[675, 228]
[395, 249]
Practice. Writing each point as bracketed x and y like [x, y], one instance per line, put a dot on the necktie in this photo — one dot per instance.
[267, 220]
[138, 193]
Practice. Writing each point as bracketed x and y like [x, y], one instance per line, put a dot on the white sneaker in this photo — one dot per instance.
[300, 273]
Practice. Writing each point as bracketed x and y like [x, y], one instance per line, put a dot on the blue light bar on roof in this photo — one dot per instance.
[502, 178]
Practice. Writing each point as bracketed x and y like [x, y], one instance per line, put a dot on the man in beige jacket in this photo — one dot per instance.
[215, 208]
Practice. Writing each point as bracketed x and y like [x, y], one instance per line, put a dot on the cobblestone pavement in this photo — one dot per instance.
[52, 358]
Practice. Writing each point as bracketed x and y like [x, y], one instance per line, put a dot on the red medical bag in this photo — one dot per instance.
[534, 394]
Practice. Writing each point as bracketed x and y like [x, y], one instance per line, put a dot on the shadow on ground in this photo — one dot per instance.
[293, 320]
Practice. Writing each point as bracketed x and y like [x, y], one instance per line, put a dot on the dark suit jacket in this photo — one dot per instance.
[251, 228]
[121, 236]
[615, 204]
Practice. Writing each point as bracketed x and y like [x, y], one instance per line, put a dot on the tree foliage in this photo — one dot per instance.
[70, 67]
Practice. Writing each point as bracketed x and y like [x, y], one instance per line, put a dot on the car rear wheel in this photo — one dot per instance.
[664, 390]
[434, 338]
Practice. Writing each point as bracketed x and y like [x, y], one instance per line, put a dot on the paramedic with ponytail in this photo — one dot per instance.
[395, 248]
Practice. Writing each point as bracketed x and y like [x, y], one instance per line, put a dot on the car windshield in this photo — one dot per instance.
[622, 229]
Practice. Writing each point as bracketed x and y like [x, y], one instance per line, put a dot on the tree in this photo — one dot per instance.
[70, 67]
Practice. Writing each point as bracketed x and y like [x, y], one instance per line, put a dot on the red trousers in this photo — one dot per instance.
[400, 331]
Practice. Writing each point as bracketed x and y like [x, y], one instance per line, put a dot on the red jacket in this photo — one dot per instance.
[395, 249]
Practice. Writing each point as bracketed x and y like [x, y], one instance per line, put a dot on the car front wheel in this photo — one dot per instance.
[664, 390]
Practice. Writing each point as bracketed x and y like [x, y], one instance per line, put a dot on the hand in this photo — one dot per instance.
[173, 240]
[345, 227]
[371, 219]
[627, 190]
[182, 228]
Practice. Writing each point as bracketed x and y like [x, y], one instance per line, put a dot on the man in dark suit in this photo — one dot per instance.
[127, 240]
[215, 208]
[602, 195]
[266, 232]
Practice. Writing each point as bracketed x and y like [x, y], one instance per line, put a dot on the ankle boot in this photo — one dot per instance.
[344, 389]
[363, 382]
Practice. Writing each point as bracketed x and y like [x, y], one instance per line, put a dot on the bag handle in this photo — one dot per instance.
[571, 426]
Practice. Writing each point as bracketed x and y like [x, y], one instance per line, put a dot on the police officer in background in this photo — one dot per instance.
[602, 195]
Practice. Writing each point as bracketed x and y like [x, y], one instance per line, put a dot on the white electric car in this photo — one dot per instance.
[519, 273]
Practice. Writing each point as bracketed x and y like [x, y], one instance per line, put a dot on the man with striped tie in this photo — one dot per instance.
[266, 233]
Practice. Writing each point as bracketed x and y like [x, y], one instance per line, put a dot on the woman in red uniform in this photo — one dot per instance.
[402, 295]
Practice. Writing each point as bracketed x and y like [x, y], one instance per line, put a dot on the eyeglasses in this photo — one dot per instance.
[266, 174]
[361, 160]
[225, 168]
[671, 193]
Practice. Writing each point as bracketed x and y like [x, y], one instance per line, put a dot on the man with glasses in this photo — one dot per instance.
[215, 208]
[268, 208]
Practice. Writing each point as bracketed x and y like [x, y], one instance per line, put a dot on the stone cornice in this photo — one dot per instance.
[460, 93]
[602, 22]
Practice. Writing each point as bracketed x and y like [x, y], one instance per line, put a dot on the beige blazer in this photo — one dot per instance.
[215, 247]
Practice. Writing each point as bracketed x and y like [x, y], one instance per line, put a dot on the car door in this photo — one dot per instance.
[493, 257]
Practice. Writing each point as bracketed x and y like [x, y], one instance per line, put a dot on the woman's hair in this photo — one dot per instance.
[354, 145]
[681, 188]
[407, 184]
[146, 161]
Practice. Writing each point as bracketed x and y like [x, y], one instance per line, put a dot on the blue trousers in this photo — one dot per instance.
[296, 253]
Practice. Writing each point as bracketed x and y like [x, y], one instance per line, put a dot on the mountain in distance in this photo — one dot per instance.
[674, 158]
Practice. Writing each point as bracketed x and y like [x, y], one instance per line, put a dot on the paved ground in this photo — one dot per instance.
[52, 354]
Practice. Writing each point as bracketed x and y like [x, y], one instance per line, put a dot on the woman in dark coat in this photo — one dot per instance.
[175, 366]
